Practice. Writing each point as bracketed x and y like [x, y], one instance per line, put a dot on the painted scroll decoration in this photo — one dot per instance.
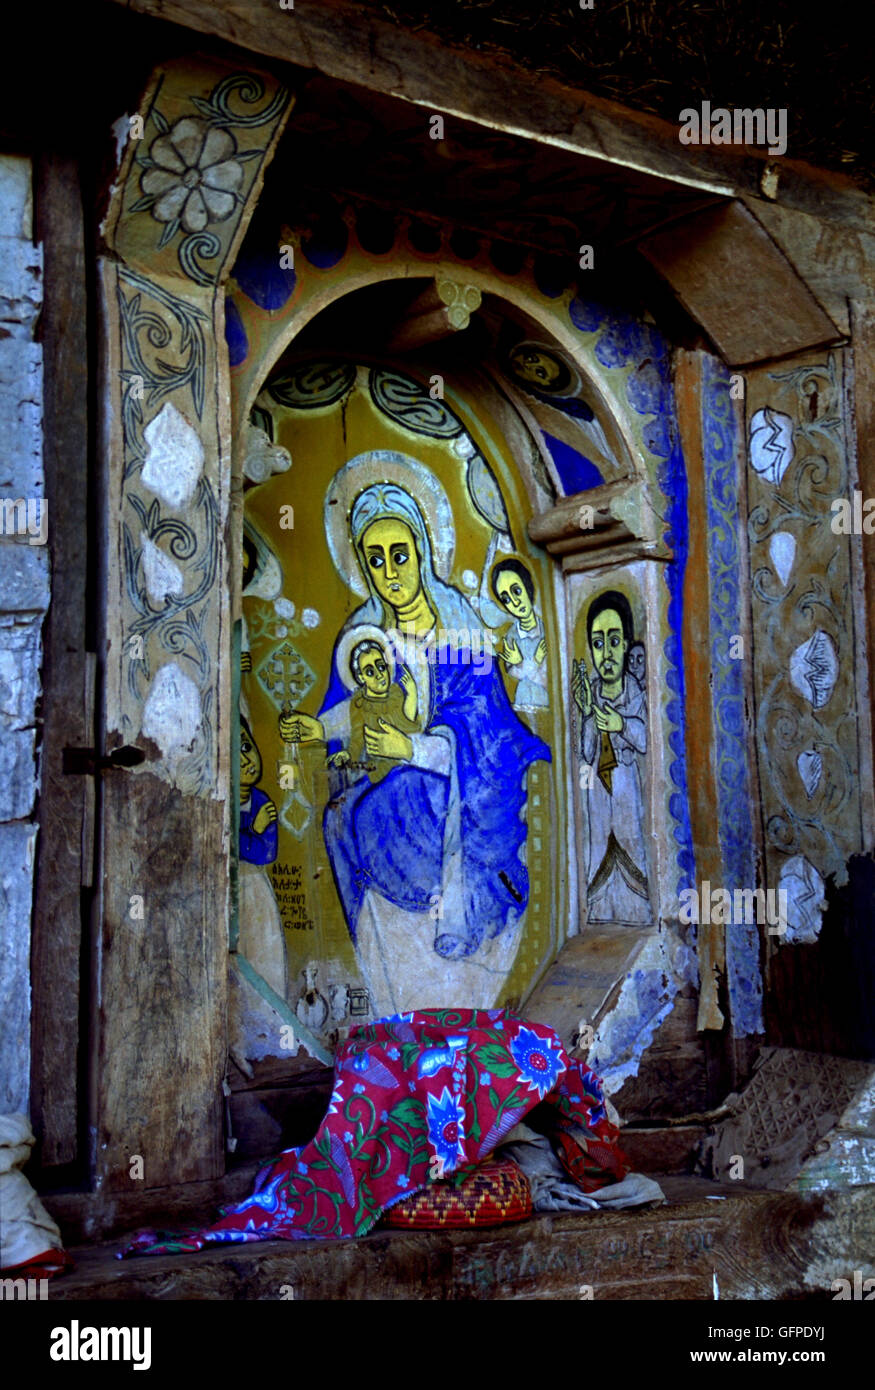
[803, 634]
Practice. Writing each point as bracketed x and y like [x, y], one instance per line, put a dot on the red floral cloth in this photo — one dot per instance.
[416, 1097]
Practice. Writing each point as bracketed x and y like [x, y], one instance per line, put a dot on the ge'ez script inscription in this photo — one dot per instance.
[288, 887]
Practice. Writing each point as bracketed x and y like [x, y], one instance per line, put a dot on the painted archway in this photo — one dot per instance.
[619, 411]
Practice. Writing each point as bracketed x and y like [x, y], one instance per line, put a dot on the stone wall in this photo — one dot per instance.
[24, 597]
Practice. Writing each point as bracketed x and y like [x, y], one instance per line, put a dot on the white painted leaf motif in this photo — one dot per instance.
[782, 549]
[163, 575]
[804, 888]
[771, 444]
[814, 668]
[174, 457]
[172, 713]
[810, 767]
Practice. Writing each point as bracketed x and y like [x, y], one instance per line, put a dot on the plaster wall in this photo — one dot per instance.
[24, 598]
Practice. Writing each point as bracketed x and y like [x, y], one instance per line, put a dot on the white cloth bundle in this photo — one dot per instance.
[26, 1229]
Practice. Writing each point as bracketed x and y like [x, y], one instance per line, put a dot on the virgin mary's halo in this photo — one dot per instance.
[386, 466]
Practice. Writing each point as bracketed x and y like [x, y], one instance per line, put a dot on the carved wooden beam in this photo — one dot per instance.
[445, 307]
[593, 527]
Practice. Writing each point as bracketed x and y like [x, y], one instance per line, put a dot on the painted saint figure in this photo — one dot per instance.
[262, 940]
[258, 828]
[429, 861]
[613, 738]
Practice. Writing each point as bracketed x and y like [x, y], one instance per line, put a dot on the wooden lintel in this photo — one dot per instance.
[586, 542]
[564, 519]
[346, 43]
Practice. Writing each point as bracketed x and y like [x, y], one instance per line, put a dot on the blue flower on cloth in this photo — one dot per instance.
[539, 1063]
[437, 1057]
[268, 1197]
[393, 1053]
[446, 1122]
[359, 1089]
[303, 1169]
[347, 1136]
[403, 1180]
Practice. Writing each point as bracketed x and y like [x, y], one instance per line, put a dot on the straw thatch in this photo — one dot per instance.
[664, 55]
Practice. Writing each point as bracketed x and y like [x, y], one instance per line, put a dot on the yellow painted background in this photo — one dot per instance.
[320, 442]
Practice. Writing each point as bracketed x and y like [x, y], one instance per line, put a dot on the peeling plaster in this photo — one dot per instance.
[646, 999]
[805, 891]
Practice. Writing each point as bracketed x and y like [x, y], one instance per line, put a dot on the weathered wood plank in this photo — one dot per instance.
[731, 278]
[57, 920]
[671, 1079]
[162, 1044]
[862, 317]
[87, 1217]
[757, 1246]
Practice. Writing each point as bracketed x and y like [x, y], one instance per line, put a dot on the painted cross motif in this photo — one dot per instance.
[285, 676]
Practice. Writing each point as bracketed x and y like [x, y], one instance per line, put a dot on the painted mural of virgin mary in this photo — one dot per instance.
[429, 861]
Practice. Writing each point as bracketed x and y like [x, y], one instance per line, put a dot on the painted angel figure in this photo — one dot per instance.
[523, 651]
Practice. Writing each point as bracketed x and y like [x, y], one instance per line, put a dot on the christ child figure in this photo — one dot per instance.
[378, 703]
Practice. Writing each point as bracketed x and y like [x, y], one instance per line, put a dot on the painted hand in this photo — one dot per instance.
[388, 742]
[580, 689]
[300, 728]
[408, 684]
[510, 652]
[541, 651]
[608, 720]
[339, 759]
[265, 817]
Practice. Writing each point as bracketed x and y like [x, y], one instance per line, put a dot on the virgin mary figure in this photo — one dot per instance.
[429, 861]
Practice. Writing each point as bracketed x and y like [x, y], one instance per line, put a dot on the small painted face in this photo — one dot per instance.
[636, 661]
[391, 558]
[608, 646]
[250, 760]
[536, 367]
[373, 673]
[512, 594]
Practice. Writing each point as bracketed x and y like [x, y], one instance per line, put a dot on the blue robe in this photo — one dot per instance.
[257, 848]
[391, 837]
